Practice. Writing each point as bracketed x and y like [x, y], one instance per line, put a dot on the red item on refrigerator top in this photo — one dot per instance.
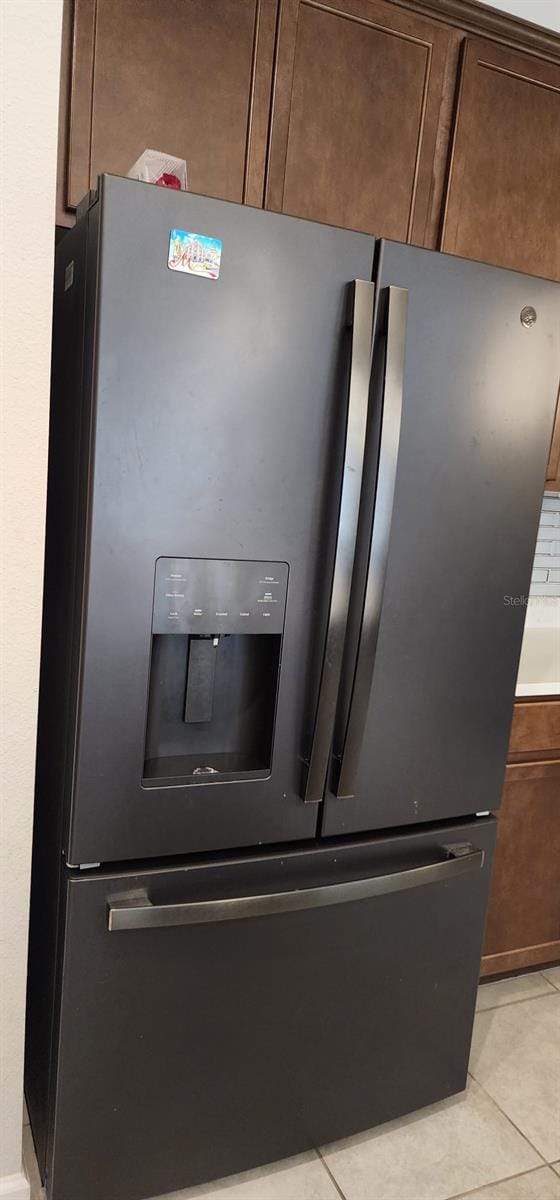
[170, 181]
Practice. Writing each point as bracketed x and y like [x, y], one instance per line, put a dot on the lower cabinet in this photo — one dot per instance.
[523, 923]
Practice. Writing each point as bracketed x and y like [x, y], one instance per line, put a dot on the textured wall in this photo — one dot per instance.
[30, 68]
[545, 580]
[540, 12]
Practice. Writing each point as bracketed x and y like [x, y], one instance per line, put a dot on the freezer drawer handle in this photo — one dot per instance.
[139, 912]
[358, 397]
[396, 300]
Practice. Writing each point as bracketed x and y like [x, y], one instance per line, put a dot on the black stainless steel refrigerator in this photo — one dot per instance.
[295, 481]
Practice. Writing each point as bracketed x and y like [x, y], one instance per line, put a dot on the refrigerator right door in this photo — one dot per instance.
[465, 379]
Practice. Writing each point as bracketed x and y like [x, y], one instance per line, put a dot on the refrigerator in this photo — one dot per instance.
[294, 486]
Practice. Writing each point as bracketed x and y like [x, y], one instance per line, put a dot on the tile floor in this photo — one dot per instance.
[499, 1140]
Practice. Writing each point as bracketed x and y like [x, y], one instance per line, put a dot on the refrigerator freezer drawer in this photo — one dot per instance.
[229, 1014]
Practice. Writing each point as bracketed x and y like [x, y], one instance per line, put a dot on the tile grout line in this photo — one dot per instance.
[496, 1183]
[519, 1000]
[330, 1174]
[508, 1118]
[495, 1102]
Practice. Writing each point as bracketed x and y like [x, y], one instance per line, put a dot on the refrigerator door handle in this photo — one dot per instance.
[396, 310]
[140, 913]
[362, 302]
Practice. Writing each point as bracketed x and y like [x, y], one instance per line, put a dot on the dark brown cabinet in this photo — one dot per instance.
[355, 114]
[502, 202]
[523, 925]
[362, 113]
[535, 730]
[190, 77]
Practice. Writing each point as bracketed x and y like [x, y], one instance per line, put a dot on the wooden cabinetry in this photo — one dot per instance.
[535, 732]
[523, 925]
[355, 115]
[189, 77]
[342, 111]
[502, 197]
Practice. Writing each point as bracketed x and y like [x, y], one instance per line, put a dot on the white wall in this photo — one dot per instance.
[30, 68]
[540, 12]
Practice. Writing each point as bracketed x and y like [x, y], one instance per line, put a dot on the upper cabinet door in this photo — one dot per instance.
[503, 203]
[189, 77]
[356, 103]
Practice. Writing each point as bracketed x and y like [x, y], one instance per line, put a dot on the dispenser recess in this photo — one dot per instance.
[217, 629]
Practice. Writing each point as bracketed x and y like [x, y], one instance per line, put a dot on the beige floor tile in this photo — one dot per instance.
[556, 1167]
[506, 991]
[452, 1147]
[516, 1057]
[541, 1184]
[30, 1164]
[553, 976]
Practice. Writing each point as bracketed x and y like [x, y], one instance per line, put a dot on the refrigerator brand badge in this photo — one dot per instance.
[194, 253]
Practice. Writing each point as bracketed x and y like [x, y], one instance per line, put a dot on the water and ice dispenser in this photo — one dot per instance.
[216, 644]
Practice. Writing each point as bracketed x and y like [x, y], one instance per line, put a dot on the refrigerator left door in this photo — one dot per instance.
[221, 357]
[226, 1014]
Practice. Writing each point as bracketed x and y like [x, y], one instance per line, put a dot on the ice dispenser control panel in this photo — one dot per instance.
[211, 596]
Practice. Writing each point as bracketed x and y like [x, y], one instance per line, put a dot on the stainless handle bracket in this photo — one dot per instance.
[457, 849]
